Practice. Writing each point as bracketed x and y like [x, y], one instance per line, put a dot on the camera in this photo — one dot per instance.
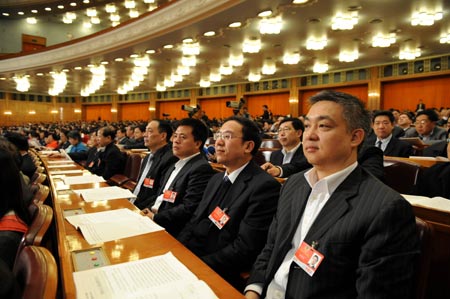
[235, 104]
[191, 110]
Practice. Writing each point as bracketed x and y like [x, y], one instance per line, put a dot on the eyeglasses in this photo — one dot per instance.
[287, 129]
[224, 136]
[421, 122]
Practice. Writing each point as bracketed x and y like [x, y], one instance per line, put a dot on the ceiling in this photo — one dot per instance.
[299, 22]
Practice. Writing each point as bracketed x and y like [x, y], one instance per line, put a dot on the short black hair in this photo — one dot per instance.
[430, 113]
[296, 123]
[108, 131]
[199, 129]
[250, 131]
[409, 114]
[165, 127]
[74, 135]
[18, 140]
[384, 113]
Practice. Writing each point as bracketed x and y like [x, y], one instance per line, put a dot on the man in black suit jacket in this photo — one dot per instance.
[383, 126]
[182, 187]
[361, 229]
[290, 158]
[110, 160]
[229, 227]
[154, 166]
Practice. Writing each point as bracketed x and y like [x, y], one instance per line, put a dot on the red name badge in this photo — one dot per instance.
[148, 182]
[308, 258]
[169, 196]
[219, 217]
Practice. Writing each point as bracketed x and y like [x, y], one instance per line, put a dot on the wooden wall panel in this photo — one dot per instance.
[360, 91]
[405, 95]
[278, 103]
[216, 108]
[134, 111]
[94, 112]
[173, 108]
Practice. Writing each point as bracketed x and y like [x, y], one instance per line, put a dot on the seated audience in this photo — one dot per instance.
[290, 159]
[426, 128]
[27, 166]
[154, 166]
[63, 142]
[110, 160]
[51, 141]
[229, 227]
[405, 121]
[183, 185]
[138, 139]
[121, 136]
[383, 125]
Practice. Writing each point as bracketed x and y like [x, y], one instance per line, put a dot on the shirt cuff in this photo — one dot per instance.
[255, 287]
[281, 172]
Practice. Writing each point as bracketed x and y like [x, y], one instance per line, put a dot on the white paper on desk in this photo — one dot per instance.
[437, 203]
[83, 179]
[159, 277]
[48, 152]
[53, 162]
[65, 165]
[73, 171]
[105, 193]
[112, 225]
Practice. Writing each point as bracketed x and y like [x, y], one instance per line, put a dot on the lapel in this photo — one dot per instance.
[336, 206]
[239, 185]
[183, 171]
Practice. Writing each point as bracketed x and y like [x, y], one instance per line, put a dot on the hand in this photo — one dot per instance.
[145, 211]
[271, 169]
[252, 295]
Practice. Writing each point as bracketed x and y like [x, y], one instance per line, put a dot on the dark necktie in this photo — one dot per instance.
[220, 194]
[379, 143]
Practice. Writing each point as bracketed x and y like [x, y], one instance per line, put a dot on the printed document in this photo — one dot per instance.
[105, 193]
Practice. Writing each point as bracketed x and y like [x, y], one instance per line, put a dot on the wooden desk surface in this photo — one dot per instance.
[426, 163]
[121, 250]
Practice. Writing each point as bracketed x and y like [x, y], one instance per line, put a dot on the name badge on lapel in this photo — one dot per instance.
[148, 182]
[219, 217]
[169, 196]
[308, 258]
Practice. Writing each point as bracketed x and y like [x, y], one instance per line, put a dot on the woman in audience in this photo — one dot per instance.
[63, 142]
[13, 214]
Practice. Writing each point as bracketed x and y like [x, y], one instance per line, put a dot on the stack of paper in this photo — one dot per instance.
[436, 203]
[105, 193]
[112, 225]
[159, 277]
[71, 171]
[83, 179]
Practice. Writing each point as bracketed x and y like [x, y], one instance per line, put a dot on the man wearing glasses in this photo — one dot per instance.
[229, 227]
[426, 128]
[290, 158]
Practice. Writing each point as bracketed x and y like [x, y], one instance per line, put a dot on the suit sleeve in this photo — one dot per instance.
[113, 164]
[297, 164]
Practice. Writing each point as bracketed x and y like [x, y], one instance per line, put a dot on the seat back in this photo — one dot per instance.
[266, 155]
[38, 178]
[270, 144]
[425, 231]
[135, 166]
[36, 272]
[42, 218]
[401, 175]
[41, 194]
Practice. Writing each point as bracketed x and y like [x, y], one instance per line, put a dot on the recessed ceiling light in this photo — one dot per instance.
[265, 13]
[31, 21]
[235, 25]
[21, 13]
[2, 78]
[65, 70]
[77, 68]
[134, 55]
[299, 1]
[90, 65]
[168, 46]
[209, 33]
[73, 4]
[51, 72]
[5, 14]
[39, 74]
[61, 6]
[48, 9]
[34, 11]
[104, 62]
[86, 1]
[118, 59]
[188, 40]
[150, 51]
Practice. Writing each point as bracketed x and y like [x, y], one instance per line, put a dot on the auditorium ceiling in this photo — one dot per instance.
[315, 36]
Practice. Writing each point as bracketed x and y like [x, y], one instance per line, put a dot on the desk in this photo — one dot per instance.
[424, 162]
[122, 250]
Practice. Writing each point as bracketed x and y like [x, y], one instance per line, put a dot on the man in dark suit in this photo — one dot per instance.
[182, 187]
[290, 159]
[121, 136]
[361, 229]
[110, 160]
[229, 227]
[383, 125]
[154, 166]
[426, 128]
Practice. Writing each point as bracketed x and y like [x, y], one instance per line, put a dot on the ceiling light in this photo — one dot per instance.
[8, 112]
[383, 40]
[21, 13]
[32, 112]
[160, 87]
[91, 12]
[150, 51]
[226, 70]
[176, 77]
[236, 60]
[110, 8]
[188, 61]
[235, 25]
[265, 13]
[215, 77]
[344, 21]
[34, 11]
[118, 59]
[209, 33]
[143, 61]
[316, 43]
[183, 70]
[299, 1]
[95, 20]
[3, 78]
[22, 84]
[67, 20]
[129, 4]
[348, 56]
[204, 83]
[54, 111]
[39, 74]
[293, 58]
[320, 67]
[269, 68]
[168, 82]
[5, 14]
[47, 9]
[86, 1]
[425, 18]
[188, 40]
[59, 83]
[149, 1]
[409, 53]
[270, 26]
[31, 20]
[445, 38]
[168, 46]
[254, 77]
[134, 56]
[87, 24]
[78, 68]
[190, 48]
[60, 6]
[133, 13]
[251, 46]
[114, 24]
[104, 62]
[73, 4]
[114, 18]
[65, 70]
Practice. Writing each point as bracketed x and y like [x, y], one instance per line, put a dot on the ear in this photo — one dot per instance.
[299, 133]
[198, 144]
[357, 137]
[163, 135]
[249, 146]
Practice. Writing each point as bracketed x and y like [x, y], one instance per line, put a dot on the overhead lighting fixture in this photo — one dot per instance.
[316, 43]
[114, 24]
[34, 11]
[47, 9]
[168, 82]
[133, 13]
[209, 33]
[73, 4]
[143, 61]
[69, 17]
[236, 60]
[188, 61]
[409, 53]
[265, 13]
[425, 18]
[226, 70]
[20, 13]
[160, 87]
[383, 40]
[190, 48]
[5, 14]
[299, 1]
[22, 83]
[149, 1]
[320, 67]
[269, 68]
[95, 20]
[168, 46]
[104, 62]
[348, 56]
[270, 26]
[59, 83]
[91, 12]
[215, 77]
[251, 46]
[39, 74]
[293, 58]
[254, 77]
[183, 70]
[204, 83]
[188, 40]
[31, 112]
[235, 25]
[97, 80]
[60, 6]
[8, 112]
[176, 77]
[114, 17]
[150, 51]
[130, 4]
[445, 38]
[87, 24]
[31, 20]
[118, 59]
[110, 8]
[344, 21]
[134, 55]
[78, 68]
